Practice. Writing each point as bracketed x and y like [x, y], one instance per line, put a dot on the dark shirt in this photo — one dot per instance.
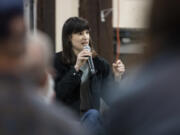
[22, 113]
[149, 104]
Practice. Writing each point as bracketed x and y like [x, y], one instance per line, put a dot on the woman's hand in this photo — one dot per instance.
[118, 68]
[82, 57]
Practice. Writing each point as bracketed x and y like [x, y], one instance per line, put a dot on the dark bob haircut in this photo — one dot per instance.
[73, 25]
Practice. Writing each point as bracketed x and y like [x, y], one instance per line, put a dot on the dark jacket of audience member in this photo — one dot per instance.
[23, 113]
[149, 104]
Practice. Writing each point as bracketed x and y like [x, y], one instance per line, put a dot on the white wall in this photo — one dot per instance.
[64, 10]
[132, 13]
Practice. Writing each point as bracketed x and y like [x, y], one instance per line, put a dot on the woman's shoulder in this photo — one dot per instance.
[100, 61]
[58, 61]
[101, 64]
[58, 55]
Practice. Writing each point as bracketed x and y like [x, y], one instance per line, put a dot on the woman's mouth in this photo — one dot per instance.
[85, 43]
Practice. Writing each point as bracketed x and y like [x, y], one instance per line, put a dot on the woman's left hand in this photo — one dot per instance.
[118, 68]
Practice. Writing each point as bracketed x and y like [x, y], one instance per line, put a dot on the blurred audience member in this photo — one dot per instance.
[150, 104]
[21, 111]
[38, 62]
[12, 31]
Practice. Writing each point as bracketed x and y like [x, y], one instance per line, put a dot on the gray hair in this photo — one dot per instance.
[44, 42]
[39, 56]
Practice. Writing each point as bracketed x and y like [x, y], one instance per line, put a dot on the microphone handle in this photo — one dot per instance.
[91, 65]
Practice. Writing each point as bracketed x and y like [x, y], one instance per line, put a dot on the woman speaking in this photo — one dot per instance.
[77, 85]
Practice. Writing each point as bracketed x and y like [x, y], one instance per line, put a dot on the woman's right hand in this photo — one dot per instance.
[82, 57]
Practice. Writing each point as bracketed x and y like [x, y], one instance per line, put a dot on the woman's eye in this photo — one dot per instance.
[80, 33]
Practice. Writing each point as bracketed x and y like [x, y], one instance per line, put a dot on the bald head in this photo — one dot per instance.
[39, 52]
[38, 63]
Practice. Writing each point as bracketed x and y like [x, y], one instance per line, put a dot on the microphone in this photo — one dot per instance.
[90, 61]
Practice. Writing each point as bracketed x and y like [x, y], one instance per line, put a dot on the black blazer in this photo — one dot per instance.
[67, 83]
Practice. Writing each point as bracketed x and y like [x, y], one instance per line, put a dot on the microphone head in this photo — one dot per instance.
[87, 47]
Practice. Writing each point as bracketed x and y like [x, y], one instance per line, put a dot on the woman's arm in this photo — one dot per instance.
[67, 80]
[66, 85]
[110, 80]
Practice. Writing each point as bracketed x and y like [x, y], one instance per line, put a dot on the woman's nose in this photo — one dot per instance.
[85, 36]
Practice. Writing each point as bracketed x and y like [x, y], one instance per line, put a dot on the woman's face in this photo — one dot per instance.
[79, 40]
